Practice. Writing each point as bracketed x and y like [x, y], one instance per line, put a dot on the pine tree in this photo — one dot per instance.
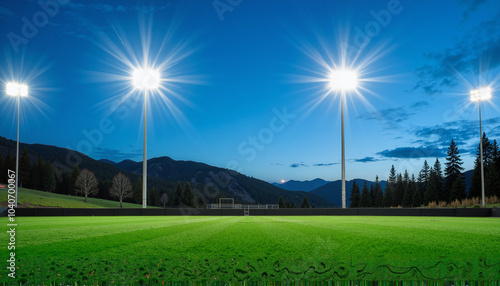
[287, 204]
[178, 195]
[137, 192]
[62, 183]
[492, 182]
[430, 193]
[49, 180]
[399, 192]
[372, 193]
[406, 178]
[417, 200]
[439, 180]
[475, 187]
[10, 162]
[453, 168]
[34, 175]
[355, 195]
[187, 196]
[487, 151]
[392, 176]
[458, 189]
[366, 198]
[294, 206]
[305, 203]
[379, 194]
[495, 154]
[423, 177]
[388, 196]
[154, 197]
[24, 168]
[281, 202]
[74, 175]
[41, 173]
[409, 190]
[201, 202]
[424, 173]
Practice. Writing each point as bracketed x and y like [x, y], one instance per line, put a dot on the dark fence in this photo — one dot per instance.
[459, 212]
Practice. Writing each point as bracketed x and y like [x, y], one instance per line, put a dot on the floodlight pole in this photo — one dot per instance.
[481, 151]
[17, 149]
[343, 149]
[144, 158]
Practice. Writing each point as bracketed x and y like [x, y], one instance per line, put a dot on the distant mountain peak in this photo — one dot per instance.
[306, 186]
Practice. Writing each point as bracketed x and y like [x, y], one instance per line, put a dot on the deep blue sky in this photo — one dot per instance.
[236, 70]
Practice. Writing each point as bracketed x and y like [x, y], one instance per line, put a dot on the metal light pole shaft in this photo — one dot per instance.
[17, 156]
[481, 151]
[343, 150]
[144, 159]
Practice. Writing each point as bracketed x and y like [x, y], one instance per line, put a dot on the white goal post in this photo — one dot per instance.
[226, 203]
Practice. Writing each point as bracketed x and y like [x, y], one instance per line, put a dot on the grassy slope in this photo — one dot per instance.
[33, 198]
[138, 249]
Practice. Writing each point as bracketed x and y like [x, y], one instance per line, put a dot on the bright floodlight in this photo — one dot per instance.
[480, 94]
[146, 78]
[16, 89]
[343, 80]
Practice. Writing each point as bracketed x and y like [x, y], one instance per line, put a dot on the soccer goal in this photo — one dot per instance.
[226, 203]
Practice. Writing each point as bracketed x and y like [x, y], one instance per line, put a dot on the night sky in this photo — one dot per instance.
[245, 83]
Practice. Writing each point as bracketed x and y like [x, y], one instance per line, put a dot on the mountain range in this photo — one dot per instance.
[164, 173]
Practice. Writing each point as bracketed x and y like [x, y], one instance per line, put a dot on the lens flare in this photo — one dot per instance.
[25, 75]
[151, 57]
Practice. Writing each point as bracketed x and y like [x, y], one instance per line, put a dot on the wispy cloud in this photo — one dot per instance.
[480, 45]
[325, 164]
[297, 165]
[461, 131]
[413, 152]
[471, 7]
[391, 118]
[366, 160]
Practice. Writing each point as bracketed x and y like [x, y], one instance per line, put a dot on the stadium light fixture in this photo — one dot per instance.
[17, 90]
[479, 95]
[343, 80]
[145, 79]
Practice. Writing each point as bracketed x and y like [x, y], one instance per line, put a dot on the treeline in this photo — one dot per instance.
[38, 175]
[433, 184]
[285, 204]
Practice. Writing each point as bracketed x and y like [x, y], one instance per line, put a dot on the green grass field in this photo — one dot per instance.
[139, 250]
[33, 198]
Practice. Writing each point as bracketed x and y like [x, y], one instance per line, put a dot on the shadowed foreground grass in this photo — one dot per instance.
[139, 250]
